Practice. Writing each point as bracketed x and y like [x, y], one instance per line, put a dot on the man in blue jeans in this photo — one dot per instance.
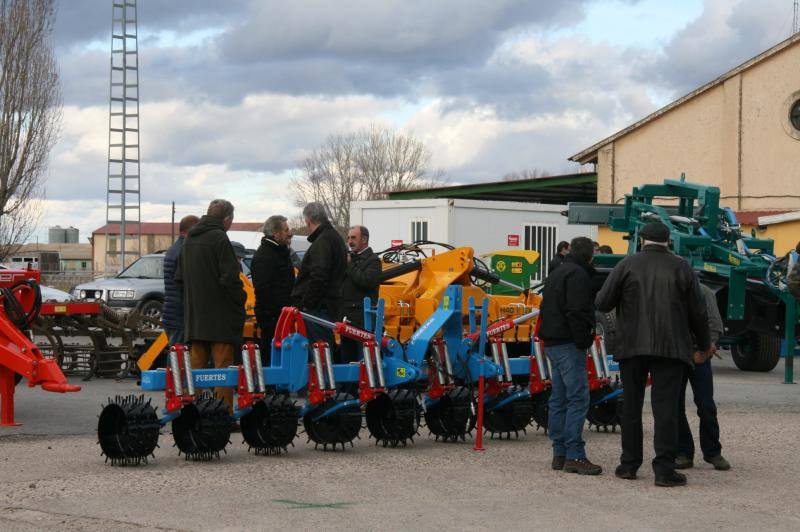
[567, 329]
[702, 381]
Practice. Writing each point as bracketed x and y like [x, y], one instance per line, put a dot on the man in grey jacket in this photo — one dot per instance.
[702, 381]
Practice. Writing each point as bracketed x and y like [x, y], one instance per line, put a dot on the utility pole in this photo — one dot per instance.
[123, 202]
[172, 225]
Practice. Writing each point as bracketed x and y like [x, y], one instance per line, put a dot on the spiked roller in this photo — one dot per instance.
[334, 422]
[203, 428]
[512, 416]
[128, 430]
[452, 417]
[393, 417]
[271, 426]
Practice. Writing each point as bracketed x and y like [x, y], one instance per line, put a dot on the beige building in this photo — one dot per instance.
[740, 132]
[52, 258]
[155, 237]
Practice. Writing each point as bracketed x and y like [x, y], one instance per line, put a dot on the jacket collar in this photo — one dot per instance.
[656, 248]
[318, 231]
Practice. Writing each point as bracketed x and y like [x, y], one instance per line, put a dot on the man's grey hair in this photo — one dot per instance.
[363, 230]
[220, 208]
[273, 224]
[315, 212]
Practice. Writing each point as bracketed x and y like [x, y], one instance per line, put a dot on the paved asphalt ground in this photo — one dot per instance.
[52, 476]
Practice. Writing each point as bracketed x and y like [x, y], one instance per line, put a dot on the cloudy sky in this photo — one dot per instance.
[234, 93]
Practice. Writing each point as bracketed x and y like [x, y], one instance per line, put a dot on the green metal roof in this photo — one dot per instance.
[558, 190]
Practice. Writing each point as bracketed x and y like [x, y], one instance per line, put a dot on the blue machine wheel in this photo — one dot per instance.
[452, 416]
[337, 421]
[393, 417]
[271, 426]
[128, 430]
[203, 429]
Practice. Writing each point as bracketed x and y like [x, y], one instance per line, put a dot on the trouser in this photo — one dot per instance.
[667, 374]
[265, 341]
[702, 381]
[350, 350]
[316, 332]
[569, 400]
[222, 354]
[174, 336]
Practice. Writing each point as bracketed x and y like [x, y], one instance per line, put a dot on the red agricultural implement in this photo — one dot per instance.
[21, 303]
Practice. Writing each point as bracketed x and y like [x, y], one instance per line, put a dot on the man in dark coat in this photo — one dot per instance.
[318, 289]
[172, 314]
[661, 314]
[567, 329]
[561, 251]
[213, 293]
[273, 277]
[362, 279]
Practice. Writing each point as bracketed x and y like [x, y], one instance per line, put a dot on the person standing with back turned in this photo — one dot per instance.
[213, 293]
[661, 314]
[172, 315]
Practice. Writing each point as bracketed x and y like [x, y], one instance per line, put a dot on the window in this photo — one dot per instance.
[544, 239]
[794, 115]
[83, 265]
[112, 243]
[145, 268]
[419, 230]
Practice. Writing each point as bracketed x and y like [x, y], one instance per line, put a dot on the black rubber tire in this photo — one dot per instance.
[761, 352]
[607, 327]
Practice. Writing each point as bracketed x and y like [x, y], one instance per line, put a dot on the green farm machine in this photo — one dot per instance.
[749, 281]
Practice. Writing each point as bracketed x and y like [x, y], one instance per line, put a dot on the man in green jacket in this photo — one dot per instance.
[208, 275]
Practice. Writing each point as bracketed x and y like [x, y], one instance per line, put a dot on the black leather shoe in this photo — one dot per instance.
[625, 473]
[668, 481]
[558, 463]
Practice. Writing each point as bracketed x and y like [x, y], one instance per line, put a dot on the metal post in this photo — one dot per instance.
[790, 340]
[479, 424]
[262, 387]
[172, 225]
[187, 368]
[379, 365]
[329, 367]
[315, 350]
[540, 363]
[506, 364]
[368, 366]
[598, 367]
[248, 369]
[175, 366]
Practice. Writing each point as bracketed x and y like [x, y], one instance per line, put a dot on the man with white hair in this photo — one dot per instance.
[273, 277]
[661, 315]
[318, 289]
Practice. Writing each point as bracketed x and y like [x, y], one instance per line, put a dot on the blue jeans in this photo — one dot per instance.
[702, 381]
[569, 400]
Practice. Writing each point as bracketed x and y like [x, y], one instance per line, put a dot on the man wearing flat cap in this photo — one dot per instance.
[661, 316]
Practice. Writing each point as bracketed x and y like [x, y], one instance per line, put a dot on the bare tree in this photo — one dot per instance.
[363, 165]
[18, 225]
[30, 111]
[528, 173]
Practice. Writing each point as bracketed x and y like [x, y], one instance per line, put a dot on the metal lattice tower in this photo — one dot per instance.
[796, 20]
[123, 205]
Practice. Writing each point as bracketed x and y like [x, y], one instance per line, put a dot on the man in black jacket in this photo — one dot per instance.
[208, 273]
[661, 313]
[567, 330]
[273, 277]
[362, 279]
[561, 251]
[172, 314]
[318, 289]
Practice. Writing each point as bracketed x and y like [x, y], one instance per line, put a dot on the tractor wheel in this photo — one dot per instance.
[393, 417]
[271, 426]
[540, 403]
[203, 428]
[452, 417]
[339, 427]
[761, 352]
[128, 430]
[606, 326]
[513, 416]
